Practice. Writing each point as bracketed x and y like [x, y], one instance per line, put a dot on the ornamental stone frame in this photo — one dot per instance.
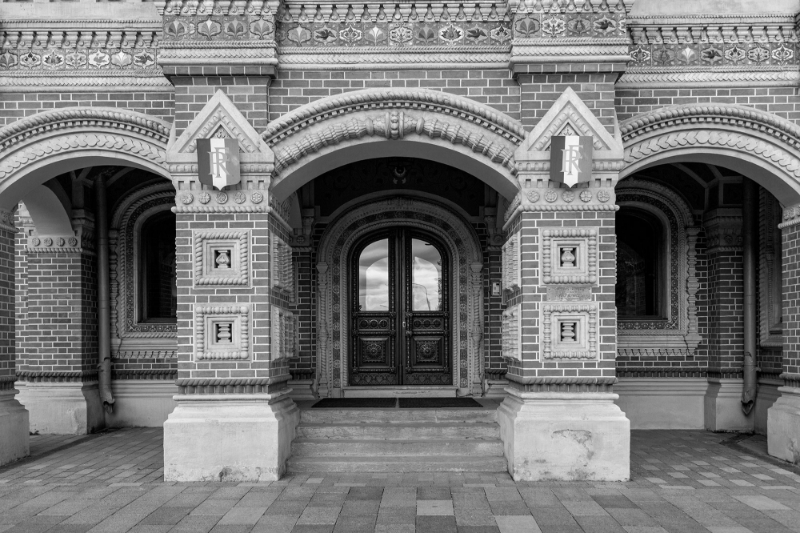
[467, 293]
[680, 330]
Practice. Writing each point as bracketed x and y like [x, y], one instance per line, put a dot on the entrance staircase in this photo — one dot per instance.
[397, 440]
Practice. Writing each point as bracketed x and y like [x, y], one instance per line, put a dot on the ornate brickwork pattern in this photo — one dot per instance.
[569, 331]
[511, 333]
[511, 263]
[222, 333]
[553, 258]
[283, 274]
[284, 334]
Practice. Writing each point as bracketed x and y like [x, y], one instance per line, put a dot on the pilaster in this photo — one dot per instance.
[58, 339]
[783, 418]
[559, 420]
[723, 411]
[14, 425]
[234, 420]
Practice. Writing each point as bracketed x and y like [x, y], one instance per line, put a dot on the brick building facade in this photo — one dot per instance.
[660, 293]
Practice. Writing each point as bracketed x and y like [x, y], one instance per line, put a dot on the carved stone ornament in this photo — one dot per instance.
[222, 333]
[511, 329]
[569, 331]
[332, 319]
[512, 278]
[569, 256]
[284, 334]
[282, 266]
[132, 137]
[221, 258]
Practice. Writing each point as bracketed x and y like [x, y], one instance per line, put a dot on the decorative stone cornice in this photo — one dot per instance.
[231, 385]
[56, 377]
[764, 136]
[561, 383]
[791, 216]
[723, 230]
[703, 77]
[661, 372]
[388, 57]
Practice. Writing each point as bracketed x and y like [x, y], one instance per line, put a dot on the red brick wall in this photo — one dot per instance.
[248, 93]
[791, 298]
[725, 320]
[7, 363]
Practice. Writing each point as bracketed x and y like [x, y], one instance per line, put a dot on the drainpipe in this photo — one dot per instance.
[103, 299]
[749, 220]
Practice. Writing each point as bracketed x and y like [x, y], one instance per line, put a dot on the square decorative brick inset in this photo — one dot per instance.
[570, 331]
[221, 258]
[284, 334]
[511, 262]
[222, 332]
[511, 333]
[569, 256]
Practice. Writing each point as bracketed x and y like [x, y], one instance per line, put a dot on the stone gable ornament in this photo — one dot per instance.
[571, 159]
[218, 162]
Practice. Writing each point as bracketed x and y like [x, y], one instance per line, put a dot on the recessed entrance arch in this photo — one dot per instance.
[374, 123]
[345, 238]
[759, 145]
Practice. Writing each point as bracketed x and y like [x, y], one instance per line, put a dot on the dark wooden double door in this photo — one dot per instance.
[399, 310]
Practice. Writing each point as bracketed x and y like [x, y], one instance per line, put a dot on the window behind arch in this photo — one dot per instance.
[158, 287]
[641, 274]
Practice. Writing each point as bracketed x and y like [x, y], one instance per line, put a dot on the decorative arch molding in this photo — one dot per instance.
[126, 221]
[679, 333]
[101, 134]
[418, 116]
[764, 147]
[466, 275]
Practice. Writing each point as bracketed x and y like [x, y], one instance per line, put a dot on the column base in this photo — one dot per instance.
[723, 406]
[14, 428]
[783, 426]
[229, 437]
[565, 436]
[63, 408]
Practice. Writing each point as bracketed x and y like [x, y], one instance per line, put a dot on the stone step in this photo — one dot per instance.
[396, 464]
[397, 416]
[411, 431]
[371, 447]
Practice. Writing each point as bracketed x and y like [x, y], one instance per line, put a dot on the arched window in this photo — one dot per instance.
[641, 272]
[158, 287]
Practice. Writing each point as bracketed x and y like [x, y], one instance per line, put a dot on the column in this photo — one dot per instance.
[58, 344]
[234, 420]
[14, 425]
[559, 420]
[783, 418]
[723, 408]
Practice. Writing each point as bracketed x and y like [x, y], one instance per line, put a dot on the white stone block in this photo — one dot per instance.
[229, 437]
[723, 406]
[14, 428]
[564, 436]
[63, 408]
[783, 426]
[663, 403]
[141, 402]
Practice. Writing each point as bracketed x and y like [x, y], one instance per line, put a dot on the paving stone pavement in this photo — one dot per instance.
[682, 481]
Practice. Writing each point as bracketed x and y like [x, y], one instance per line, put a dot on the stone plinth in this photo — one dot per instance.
[230, 437]
[14, 435]
[565, 436]
[71, 408]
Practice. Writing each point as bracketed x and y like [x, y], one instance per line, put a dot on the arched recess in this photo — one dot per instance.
[42, 146]
[759, 145]
[373, 123]
[48, 212]
[466, 275]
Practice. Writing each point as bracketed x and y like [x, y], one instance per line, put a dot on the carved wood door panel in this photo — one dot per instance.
[399, 308]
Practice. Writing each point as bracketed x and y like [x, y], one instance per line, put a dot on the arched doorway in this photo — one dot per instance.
[399, 301]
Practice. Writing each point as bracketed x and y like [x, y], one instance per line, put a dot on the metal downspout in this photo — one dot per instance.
[103, 298]
[749, 221]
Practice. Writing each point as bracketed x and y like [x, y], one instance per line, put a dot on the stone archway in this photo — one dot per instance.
[467, 305]
[371, 123]
[73, 138]
[760, 145]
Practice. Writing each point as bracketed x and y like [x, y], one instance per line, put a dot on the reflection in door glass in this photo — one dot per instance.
[373, 277]
[426, 276]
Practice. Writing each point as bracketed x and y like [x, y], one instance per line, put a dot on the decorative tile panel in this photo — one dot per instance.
[569, 331]
[282, 266]
[512, 333]
[569, 256]
[511, 263]
[283, 334]
[221, 258]
[222, 333]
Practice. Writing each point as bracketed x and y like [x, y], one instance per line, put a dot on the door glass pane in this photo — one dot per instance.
[426, 277]
[373, 277]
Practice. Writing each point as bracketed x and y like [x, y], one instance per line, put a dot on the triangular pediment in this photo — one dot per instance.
[569, 116]
[220, 118]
